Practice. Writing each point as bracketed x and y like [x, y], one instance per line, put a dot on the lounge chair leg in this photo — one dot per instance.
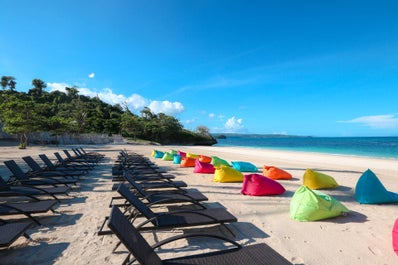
[117, 245]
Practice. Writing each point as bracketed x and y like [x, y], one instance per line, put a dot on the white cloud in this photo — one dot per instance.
[376, 121]
[91, 75]
[212, 115]
[234, 125]
[166, 107]
[134, 102]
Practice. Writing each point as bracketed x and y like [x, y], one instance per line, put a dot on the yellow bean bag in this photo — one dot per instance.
[225, 173]
[316, 180]
[194, 156]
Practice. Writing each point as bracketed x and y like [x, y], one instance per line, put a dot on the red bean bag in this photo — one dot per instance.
[181, 153]
[276, 173]
[187, 162]
[395, 237]
[204, 159]
[258, 185]
[201, 167]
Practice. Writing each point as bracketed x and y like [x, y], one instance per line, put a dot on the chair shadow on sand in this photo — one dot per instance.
[36, 252]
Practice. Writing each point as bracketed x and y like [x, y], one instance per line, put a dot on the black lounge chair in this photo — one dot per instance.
[52, 167]
[33, 192]
[257, 254]
[163, 197]
[151, 184]
[79, 159]
[67, 163]
[9, 232]
[35, 179]
[174, 219]
[37, 169]
[27, 208]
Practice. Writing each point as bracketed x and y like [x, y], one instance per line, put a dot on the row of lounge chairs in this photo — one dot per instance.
[38, 190]
[141, 187]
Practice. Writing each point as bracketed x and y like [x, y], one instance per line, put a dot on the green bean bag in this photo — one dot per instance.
[216, 161]
[317, 180]
[312, 205]
[167, 156]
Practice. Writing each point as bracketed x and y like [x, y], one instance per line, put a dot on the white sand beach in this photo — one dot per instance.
[362, 237]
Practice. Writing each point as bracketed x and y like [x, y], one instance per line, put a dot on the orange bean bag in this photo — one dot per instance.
[187, 162]
[276, 173]
[204, 159]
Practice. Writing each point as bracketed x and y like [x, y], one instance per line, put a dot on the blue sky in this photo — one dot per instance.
[321, 68]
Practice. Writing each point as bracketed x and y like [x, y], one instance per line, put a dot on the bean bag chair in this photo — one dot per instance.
[216, 161]
[201, 167]
[158, 154]
[312, 205]
[167, 156]
[153, 153]
[369, 190]
[225, 173]
[244, 166]
[181, 153]
[190, 155]
[187, 162]
[177, 159]
[276, 173]
[258, 185]
[395, 237]
[173, 152]
[317, 180]
[204, 159]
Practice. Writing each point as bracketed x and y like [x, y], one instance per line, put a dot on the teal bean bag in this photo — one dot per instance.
[370, 190]
[158, 154]
[312, 205]
[244, 166]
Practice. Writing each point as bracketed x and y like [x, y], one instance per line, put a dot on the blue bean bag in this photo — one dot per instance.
[369, 190]
[244, 166]
[177, 159]
[158, 154]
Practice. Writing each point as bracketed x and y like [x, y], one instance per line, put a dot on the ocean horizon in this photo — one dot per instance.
[378, 147]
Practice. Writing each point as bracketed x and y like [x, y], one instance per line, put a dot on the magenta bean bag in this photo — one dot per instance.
[258, 185]
[395, 237]
[202, 167]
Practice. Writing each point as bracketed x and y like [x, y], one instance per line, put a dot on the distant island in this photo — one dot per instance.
[226, 135]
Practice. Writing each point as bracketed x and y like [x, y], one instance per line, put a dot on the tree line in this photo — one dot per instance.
[57, 112]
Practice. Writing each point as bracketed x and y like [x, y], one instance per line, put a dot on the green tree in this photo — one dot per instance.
[21, 116]
[38, 86]
[8, 81]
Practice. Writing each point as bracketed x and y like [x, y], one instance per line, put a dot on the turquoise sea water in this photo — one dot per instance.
[381, 147]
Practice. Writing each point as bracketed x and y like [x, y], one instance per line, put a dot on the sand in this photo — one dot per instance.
[362, 237]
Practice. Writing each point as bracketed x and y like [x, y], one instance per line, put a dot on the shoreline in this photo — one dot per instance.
[361, 237]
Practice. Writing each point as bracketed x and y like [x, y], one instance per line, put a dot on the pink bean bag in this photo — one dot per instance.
[258, 185]
[395, 237]
[201, 167]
